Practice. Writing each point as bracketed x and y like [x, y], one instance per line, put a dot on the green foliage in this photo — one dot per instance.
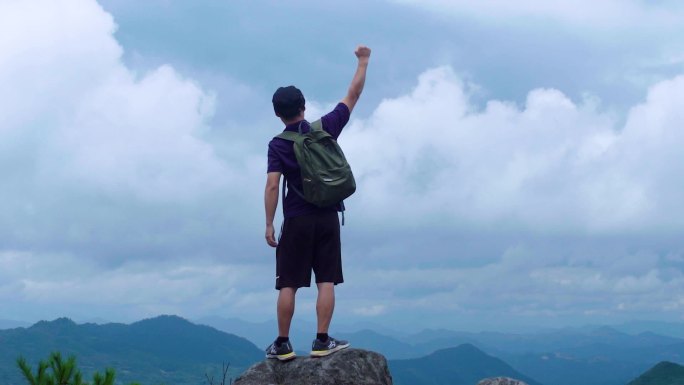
[57, 371]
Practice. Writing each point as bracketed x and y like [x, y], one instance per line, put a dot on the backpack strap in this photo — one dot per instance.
[288, 135]
[317, 125]
[292, 136]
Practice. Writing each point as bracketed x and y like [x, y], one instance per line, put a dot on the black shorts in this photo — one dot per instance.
[309, 242]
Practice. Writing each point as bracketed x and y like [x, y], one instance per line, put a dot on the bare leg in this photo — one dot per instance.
[325, 304]
[286, 307]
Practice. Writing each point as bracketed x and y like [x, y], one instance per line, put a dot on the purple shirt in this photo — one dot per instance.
[281, 158]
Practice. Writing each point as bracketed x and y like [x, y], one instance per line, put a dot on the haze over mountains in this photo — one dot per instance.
[169, 347]
[596, 355]
[9, 324]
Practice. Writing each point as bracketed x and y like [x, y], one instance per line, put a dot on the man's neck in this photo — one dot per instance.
[294, 120]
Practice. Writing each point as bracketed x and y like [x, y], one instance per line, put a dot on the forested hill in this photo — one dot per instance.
[164, 349]
[665, 373]
[462, 365]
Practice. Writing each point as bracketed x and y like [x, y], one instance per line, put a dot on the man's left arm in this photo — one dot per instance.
[338, 118]
[271, 203]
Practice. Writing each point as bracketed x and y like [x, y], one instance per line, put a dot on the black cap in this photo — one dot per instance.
[288, 101]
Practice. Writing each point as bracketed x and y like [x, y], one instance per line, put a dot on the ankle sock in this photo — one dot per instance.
[322, 337]
[281, 340]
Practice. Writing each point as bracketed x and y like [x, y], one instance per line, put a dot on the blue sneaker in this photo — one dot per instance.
[283, 352]
[323, 348]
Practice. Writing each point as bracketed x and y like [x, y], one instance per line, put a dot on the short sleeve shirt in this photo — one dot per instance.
[281, 158]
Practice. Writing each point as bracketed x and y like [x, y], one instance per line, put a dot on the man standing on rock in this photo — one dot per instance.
[310, 237]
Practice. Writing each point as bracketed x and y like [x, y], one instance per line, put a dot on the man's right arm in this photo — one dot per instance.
[271, 203]
[359, 79]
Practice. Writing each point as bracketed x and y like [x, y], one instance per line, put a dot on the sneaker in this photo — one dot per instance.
[321, 349]
[283, 352]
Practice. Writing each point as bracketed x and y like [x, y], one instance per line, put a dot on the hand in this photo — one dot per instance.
[270, 236]
[362, 52]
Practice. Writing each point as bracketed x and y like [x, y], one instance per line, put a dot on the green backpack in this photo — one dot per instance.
[327, 178]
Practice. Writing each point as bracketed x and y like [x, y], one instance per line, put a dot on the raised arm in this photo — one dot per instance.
[356, 87]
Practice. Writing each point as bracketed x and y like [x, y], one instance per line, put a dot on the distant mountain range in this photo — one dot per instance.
[169, 349]
[165, 349]
[672, 329]
[598, 355]
[601, 357]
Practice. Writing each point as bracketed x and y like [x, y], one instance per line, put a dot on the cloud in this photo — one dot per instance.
[92, 119]
[133, 290]
[122, 196]
[143, 137]
[550, 165]
[605, 14]
[526, 283]
[370, 311]
[101, 160]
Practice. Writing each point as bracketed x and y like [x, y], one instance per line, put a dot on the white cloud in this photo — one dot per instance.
[370, 311]
[90, 119]
[143, 136]
[552, 165]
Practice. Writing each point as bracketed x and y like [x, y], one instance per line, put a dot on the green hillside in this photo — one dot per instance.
[165, 349]
[462, 365]
[665, 373]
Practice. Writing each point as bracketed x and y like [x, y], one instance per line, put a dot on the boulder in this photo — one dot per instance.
[346, 367]
[500, 381]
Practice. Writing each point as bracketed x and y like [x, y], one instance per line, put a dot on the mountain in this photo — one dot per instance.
[664, 373]
[672, 329]
[462, 365]
[165, 349]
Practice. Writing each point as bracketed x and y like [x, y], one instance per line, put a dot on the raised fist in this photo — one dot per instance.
[362, 52]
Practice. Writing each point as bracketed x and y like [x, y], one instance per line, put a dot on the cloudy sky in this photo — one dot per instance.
[518, 162]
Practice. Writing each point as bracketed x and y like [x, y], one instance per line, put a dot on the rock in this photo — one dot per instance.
[346, 367]
[500, 381]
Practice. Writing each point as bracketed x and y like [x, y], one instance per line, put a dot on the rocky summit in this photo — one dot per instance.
[346, 367]
[500, 381]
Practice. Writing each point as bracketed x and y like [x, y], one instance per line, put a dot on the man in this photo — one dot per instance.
[310, 237]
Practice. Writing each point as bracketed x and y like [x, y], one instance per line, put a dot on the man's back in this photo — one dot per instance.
[281, 158]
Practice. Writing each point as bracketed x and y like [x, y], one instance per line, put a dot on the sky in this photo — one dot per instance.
[518, 162]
